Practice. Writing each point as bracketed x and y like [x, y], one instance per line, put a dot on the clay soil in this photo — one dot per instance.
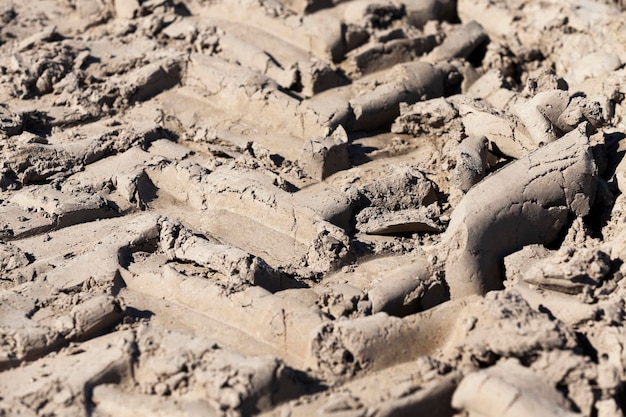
[312, 208]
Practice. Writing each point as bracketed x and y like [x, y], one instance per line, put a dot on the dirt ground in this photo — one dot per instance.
[312, 208]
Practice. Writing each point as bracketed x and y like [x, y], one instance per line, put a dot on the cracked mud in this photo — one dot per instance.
[309, 207]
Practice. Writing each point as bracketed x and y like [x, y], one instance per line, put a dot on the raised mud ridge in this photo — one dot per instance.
[313, 208]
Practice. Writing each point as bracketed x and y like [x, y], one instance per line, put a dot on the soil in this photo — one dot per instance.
[312, 207]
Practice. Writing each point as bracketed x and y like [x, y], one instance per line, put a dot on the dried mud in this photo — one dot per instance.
[312, 207]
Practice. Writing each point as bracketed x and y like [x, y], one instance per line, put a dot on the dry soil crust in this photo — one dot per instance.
[312, 207]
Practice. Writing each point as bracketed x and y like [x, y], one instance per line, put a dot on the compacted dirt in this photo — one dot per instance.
[312, 207]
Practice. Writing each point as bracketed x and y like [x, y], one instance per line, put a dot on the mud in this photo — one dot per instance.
[312, 207]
